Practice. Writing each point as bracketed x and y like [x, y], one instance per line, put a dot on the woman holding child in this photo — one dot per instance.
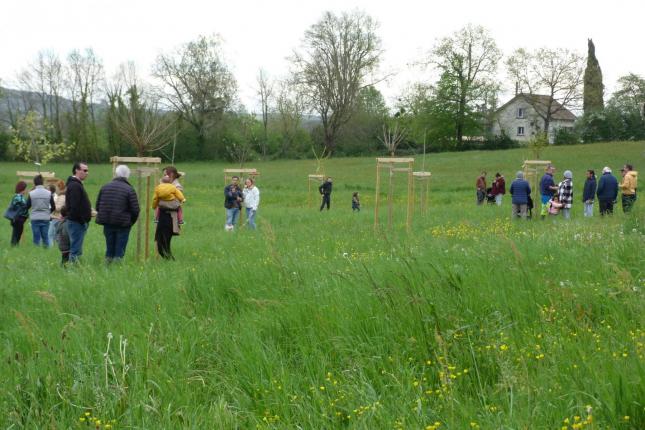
[167, 199]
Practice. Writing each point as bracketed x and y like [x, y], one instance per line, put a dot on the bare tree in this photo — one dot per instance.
[142, 124]
[197, 83]
[338, 55]
[392, 137]
[467, 61]
[85, 74]
[265, 92]
[554, 74]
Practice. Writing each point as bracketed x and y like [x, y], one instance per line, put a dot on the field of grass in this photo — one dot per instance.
[317, 321]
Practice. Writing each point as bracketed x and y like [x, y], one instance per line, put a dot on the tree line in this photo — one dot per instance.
[329, 104]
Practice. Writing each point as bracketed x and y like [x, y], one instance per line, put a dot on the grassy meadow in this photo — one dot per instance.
[317, 321]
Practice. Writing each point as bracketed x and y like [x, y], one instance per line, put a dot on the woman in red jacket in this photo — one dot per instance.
[499, 188]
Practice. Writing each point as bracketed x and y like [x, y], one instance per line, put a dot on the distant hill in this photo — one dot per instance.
[19, 102]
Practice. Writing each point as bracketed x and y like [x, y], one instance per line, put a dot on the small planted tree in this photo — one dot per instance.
[392, 137]
[31, 141]
[538, 144]
[142, 124]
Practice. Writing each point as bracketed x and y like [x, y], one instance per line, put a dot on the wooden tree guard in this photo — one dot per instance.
[150, 173]
[390, 164]
[243, 174]
[423, 178]
[532, 170]
[28, 176]
[316, 178]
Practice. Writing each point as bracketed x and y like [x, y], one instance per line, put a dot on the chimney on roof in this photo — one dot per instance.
[517, 88]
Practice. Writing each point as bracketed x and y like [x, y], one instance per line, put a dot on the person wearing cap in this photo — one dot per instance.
[565, 193]
[547, 189]
[520, 191]
[607, 192]
[628, 187]
[589, 192]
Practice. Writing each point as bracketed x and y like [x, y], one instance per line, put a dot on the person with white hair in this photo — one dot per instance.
[607, 192]
[117, 209]
[565, 193]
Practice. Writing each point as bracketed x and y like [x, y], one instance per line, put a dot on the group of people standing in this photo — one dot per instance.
[236, 198]
[67, 212]
[557, 198]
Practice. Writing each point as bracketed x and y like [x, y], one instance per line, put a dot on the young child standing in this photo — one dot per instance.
[62, 236]
[356, 202]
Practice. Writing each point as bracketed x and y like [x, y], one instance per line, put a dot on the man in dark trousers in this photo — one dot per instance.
[325, 191]
[79, 210]
[117, 210]
[607, 191]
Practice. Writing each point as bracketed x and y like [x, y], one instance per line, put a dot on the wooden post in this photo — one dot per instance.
[378, 191]
[139, 228]
[390, 164]
[410, 195]
[390, 203]
[147, 216]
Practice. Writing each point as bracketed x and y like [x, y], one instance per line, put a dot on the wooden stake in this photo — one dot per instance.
[378, 191]
[139, 228]
[410, 197]
[147, 217]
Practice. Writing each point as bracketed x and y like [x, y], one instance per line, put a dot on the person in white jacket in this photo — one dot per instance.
[251, 201]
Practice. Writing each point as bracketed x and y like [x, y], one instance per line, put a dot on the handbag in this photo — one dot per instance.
[11, 212]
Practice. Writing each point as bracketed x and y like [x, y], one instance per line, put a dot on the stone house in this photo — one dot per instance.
[519, 117]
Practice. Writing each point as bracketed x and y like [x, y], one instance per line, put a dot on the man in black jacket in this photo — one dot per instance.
[325, 190]
[117, 209]
[79, 210]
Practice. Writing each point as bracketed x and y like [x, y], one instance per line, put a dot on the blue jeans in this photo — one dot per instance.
[116, 240]
[250, 216]
[52, 232]
[76, 236]
[232, 215]
[40, 229]
[589, 209]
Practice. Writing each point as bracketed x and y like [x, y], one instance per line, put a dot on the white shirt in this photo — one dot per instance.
[251, 197]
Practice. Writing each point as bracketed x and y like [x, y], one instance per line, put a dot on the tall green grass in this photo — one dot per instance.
[317, 321]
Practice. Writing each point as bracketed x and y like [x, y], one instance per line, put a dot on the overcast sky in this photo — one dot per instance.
[259, 33]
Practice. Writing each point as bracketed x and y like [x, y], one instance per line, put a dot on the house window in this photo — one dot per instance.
[520, 112]
[520, 131]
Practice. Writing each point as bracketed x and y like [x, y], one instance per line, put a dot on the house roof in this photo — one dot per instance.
[541, 102]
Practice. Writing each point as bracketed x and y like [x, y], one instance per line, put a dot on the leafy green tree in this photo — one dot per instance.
[31, 140]
[593, 87]
[363, 130]
[198, 84]
[467, 61]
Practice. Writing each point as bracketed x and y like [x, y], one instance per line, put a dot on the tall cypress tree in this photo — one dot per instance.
[593, 87]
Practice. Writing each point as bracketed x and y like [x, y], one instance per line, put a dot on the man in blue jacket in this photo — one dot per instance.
[547, 188]
[607, 191]
[520, 192]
